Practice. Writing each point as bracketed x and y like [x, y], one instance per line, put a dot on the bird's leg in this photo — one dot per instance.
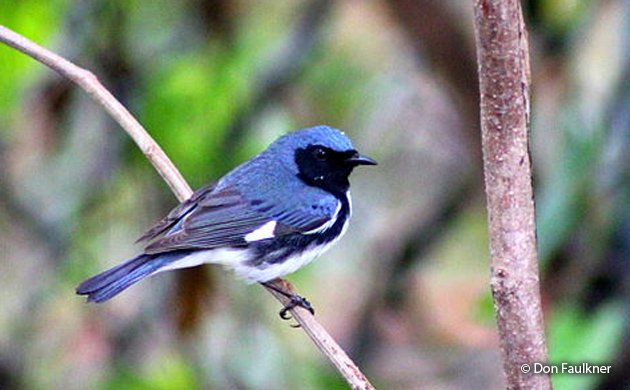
[295, 300]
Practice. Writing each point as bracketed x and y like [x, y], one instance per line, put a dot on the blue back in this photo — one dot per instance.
[272, 175]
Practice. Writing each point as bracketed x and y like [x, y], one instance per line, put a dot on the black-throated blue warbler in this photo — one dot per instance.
[265, 219]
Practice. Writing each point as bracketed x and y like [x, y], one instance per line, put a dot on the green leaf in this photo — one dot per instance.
[577, 337]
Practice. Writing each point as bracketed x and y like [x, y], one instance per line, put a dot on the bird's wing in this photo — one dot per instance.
[225, 218]
[176, 214]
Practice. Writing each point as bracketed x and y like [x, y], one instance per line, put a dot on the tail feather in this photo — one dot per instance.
[106, 285]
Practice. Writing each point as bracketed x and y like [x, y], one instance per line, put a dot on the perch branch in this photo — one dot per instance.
[89, 83]
[504, 79]
[322, 339]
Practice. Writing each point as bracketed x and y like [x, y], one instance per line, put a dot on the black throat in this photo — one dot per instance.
[325, 168]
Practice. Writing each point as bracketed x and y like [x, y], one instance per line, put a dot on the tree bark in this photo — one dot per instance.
[504, 78]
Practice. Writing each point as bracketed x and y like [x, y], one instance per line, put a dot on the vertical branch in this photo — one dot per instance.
[503, 59]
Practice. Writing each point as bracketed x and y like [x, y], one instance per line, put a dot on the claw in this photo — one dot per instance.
[284, 313]
[295, 300]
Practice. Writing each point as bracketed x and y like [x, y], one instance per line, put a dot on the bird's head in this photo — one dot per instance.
[323, 156]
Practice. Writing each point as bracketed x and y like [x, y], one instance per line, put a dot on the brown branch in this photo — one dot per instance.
[503, 58]
[88, 82]
[324, 342]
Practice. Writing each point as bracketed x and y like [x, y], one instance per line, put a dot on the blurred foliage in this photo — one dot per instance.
[37, 20]
[405, 291]
[576, 337]
[171, 373]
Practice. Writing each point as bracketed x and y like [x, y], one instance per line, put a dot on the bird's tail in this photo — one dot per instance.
[107, 284]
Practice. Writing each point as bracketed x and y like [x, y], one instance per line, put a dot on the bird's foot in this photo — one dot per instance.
[295, 301]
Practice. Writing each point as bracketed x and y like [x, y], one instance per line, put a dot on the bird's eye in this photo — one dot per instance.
[320, 154]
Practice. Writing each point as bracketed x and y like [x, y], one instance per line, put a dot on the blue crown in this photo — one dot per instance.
[317, 135]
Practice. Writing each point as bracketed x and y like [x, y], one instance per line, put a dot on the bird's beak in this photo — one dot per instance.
[357, 159]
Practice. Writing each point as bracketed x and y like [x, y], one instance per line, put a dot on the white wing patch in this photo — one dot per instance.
[295, 262]
[263, 232]
[238, 259]
[278, 270]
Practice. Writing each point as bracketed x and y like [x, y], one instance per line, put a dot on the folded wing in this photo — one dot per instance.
[224, 218]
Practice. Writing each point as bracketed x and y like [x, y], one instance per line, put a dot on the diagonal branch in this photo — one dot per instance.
[88, 82]
[322, 340]
[504, 80]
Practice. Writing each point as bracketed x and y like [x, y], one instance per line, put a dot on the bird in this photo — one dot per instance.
[265, 219]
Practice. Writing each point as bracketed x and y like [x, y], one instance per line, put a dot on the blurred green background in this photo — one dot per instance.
[406, 291]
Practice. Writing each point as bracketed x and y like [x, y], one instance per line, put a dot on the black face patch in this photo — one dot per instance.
[325, 168]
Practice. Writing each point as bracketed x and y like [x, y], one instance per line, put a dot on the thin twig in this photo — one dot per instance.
[88, 82]
[504, 80]
[320, 337]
